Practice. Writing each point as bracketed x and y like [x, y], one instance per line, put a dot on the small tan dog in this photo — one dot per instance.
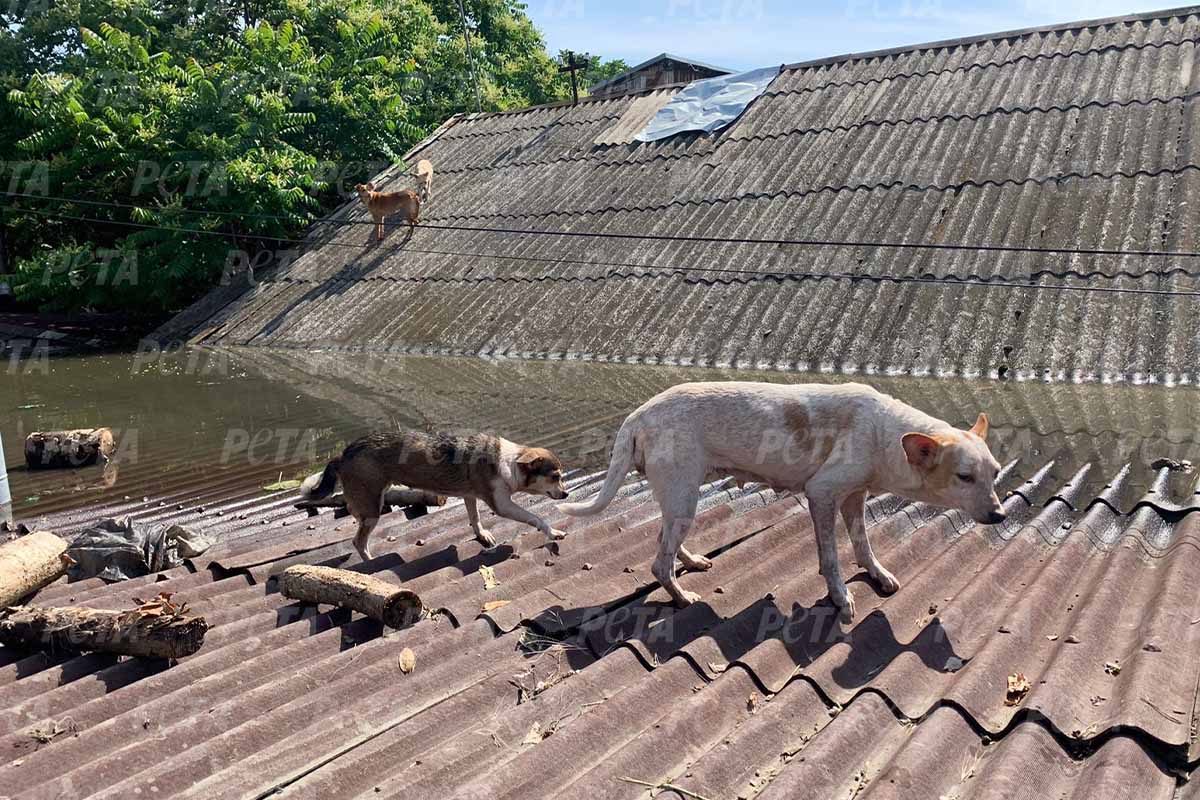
[477, 467]
[405, 202]
[835, 443]
[425, 179]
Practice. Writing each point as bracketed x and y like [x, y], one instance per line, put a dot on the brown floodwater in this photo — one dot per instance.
[201, 425]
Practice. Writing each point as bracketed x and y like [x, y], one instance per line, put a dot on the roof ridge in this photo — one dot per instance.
[940, 44]
[943, 44]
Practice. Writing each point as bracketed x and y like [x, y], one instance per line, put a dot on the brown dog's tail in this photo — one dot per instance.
[317, 486]
[618, 468]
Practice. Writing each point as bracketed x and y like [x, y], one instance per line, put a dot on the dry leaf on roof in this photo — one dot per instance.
[489, 577]
[492, 605]
[408, 660]
[1018, 687]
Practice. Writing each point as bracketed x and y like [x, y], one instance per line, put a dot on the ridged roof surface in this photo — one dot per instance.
[1081, 136]
[587, 676]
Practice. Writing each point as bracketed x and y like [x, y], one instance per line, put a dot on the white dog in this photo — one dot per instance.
[835, 443]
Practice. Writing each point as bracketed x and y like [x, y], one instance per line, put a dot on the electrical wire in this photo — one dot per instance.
[663, 268]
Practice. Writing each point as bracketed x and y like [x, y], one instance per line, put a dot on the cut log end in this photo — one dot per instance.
[366, 594]
[68, 449]
[29, 563]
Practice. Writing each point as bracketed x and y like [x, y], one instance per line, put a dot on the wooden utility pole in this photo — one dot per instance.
[572, 66]
[462, 10]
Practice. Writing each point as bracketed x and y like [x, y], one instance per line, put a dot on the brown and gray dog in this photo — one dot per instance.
[476, 467]
[834, 443]
[406, 203]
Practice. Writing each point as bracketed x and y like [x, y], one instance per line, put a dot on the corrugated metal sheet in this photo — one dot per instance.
[1078, 136]
[588, 677]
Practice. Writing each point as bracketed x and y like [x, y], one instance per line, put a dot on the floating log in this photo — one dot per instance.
[29, 563]
[353, 590]
[157, 629]
[68, 449]
[395, 496]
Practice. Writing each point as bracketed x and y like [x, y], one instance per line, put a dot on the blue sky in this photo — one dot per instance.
[742, 34]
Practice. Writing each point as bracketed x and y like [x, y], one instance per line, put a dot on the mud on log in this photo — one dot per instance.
[29, 563]
[353, 590]
[68, 449]
[156, 629]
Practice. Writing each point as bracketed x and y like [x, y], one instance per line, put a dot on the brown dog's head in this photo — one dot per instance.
[364, 190]
[957, 470]
[541, 473]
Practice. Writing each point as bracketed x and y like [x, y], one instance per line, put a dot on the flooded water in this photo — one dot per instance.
[208, 425]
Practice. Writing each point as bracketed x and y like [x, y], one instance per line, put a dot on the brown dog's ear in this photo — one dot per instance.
[921, 450]
[980, 428]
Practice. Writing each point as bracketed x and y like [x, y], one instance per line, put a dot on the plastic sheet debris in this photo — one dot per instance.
[708, 105]
[117, 550]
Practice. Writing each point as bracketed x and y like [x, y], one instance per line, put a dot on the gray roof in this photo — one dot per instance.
[654, 60]
[575, 671]
[1079, 136]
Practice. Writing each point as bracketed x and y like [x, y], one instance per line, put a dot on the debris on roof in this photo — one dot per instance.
[708, 105]
[756, 689]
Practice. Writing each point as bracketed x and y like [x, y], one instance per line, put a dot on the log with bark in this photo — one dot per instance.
[395, 496]
[29, 563]
[68, 449]
[368, 595]
[155, 629]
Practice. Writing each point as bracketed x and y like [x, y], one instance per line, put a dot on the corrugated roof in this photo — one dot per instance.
[588, 676]
[1079, 136]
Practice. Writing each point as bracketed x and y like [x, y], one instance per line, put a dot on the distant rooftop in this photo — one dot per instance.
[692, 70]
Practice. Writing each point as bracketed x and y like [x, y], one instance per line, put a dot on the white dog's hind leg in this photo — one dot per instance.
[856, 525]
[678, 503]
[823, 507]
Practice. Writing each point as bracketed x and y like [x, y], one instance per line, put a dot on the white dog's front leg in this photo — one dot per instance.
[823, 508]
[505, 507]
[853, 513]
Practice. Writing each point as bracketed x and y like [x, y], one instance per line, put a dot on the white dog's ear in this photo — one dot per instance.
[980, 428]
[922, 451]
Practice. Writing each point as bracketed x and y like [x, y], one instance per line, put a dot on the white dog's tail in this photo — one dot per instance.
[618, 468]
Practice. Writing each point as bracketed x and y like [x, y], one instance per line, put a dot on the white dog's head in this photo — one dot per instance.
[957, 470]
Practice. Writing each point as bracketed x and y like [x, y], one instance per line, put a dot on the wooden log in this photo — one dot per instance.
[29, 563]
[363, 593]
[68, 449]
[157, 629]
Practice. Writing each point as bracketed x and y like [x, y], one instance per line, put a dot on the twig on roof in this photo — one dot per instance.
[667, 785]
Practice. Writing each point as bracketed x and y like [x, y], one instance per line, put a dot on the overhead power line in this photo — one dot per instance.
[670, 237]
[663, 268]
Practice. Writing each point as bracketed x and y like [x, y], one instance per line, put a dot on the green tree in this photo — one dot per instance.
[228, 126]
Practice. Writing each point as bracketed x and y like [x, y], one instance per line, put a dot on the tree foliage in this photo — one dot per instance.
[226, 125]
